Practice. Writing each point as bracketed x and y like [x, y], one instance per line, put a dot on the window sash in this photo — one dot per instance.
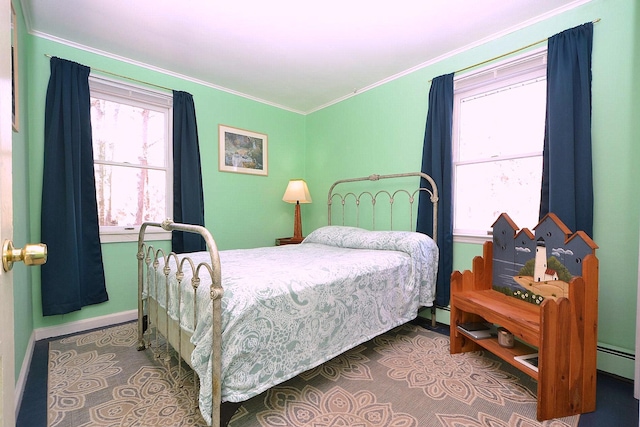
[528, 68]
[140, 97]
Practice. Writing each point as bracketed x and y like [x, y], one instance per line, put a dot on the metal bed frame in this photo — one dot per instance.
[179, 339]
[433, 197]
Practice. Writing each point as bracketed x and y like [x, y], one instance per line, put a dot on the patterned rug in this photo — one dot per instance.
[404, 378]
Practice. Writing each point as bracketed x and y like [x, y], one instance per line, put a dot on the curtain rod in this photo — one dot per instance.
[595, 21]
[123, 77]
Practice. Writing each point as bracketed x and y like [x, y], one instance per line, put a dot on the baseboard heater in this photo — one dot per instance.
[617, 353]
[616, 361]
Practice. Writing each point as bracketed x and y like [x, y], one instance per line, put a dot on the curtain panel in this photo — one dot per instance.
[188, 199]
[437, 162]
[73, 275]
[567, 180]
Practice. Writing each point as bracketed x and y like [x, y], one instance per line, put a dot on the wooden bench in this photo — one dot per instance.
[563, 331]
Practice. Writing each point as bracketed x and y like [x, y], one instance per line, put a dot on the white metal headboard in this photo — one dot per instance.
[432, 191]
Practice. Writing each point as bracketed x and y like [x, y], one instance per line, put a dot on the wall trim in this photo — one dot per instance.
[85, 325]
[24, 371]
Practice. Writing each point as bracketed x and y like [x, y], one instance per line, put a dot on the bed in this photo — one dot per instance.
[246, 320]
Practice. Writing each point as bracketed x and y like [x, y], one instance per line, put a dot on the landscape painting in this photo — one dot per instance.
[242, 151]
[534, 267]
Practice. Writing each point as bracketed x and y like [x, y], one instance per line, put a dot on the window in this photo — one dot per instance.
[498, 137]
[131, 129]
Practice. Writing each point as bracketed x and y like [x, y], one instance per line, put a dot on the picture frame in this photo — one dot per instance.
[242, 151]
[15, 105]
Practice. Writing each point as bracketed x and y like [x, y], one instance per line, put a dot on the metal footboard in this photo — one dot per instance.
[148, 256]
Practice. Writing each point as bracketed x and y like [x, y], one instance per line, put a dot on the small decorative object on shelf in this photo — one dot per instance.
[529, 360]
[505, 338]
[477, 330]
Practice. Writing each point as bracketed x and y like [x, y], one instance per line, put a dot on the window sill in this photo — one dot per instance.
[132, 236]
[472, 238]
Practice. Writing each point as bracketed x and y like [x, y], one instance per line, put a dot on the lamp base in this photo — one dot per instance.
[297, 224]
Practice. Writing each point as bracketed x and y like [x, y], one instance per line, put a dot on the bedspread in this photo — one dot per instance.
[287, 309]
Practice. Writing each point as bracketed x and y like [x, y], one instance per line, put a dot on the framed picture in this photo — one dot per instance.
[15, 110]
[242, 151]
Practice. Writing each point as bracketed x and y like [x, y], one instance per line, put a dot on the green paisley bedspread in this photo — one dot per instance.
[287, 309]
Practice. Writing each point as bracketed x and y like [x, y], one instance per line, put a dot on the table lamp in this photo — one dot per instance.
[297, 192]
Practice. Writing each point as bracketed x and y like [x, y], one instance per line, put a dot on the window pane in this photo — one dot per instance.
[502, 122]
[127, 134]
[129, 196]
[485, 190]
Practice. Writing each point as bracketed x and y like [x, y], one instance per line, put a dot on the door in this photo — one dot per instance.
[7, 372]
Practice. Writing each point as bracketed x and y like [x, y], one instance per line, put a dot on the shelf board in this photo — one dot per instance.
[506, 354]
[520, 318]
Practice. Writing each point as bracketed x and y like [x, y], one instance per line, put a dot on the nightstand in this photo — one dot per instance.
[288, 241]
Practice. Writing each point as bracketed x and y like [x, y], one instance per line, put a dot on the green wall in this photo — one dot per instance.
[241, 210]
[377, 131]
[381, 131]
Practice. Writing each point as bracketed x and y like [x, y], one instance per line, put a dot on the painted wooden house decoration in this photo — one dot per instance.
[534, 266]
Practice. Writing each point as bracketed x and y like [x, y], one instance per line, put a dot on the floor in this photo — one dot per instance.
[615, 404]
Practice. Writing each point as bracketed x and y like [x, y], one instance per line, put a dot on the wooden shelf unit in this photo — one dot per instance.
[562, 331]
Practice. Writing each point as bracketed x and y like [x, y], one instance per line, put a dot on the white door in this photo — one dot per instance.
[7, 372]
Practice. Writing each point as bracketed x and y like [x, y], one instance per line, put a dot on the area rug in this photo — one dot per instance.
[404, 378]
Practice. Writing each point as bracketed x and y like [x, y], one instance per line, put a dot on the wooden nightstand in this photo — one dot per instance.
[288, 241]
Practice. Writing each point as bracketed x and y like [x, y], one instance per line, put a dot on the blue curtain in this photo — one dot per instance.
[73, 276]
[567, 181]
[188, 200]
[437, 162]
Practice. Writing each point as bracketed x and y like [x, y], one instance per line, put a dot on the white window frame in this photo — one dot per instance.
[117, 91]
[531, 65]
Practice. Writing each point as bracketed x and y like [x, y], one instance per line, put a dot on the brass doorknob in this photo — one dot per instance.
[31, 254]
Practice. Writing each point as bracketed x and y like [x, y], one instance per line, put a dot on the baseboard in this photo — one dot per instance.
[616, 361]
[85, 325]
[24, 371]
[443, 314]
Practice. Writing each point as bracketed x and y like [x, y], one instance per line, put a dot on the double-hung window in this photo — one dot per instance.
[498, 137]
[131, 132]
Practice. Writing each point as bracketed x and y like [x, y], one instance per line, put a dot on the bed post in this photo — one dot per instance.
[141, 345]
[215, 291]
[140, 256]
[216, 352]
[434, 232]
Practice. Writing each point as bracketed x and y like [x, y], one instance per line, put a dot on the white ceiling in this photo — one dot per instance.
[296, 54]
